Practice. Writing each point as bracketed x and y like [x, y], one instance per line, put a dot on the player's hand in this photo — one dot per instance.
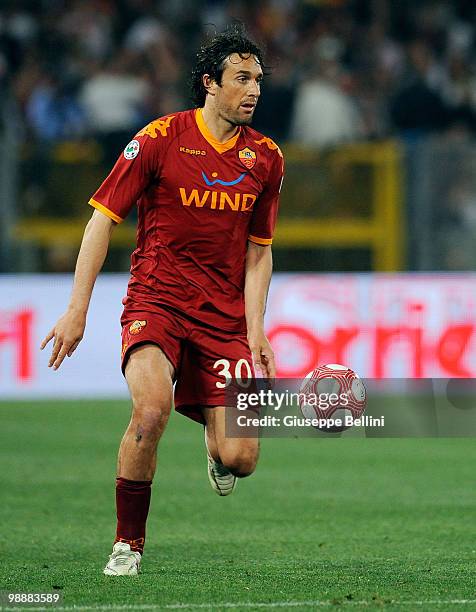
[67, 334]
[263, 355]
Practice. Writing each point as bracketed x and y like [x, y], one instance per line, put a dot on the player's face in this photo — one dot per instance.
[238, 94]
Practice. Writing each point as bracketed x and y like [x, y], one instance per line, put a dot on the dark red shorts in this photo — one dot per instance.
[203, 357]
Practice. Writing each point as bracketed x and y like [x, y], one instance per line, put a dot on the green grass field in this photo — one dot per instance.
[352, 522]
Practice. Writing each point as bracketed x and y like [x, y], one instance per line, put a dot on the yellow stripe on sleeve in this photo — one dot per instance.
[262, 241]
[105, 211]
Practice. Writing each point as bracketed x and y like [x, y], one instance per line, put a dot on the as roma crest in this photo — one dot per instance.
[247, 157]
[137, 327]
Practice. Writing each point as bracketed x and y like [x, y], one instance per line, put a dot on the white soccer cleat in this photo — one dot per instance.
[221, 479]
[123, 561]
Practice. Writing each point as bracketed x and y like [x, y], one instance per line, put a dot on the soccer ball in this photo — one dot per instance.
[332, 396]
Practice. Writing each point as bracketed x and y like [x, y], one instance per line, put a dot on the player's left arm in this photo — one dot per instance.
[259, 266]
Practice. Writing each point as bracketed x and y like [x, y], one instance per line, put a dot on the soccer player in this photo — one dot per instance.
[206, 187]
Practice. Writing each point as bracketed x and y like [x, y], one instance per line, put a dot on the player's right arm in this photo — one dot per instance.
[69, 329]
[136, 167]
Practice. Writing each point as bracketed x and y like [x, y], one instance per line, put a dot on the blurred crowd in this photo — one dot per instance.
[338, 70]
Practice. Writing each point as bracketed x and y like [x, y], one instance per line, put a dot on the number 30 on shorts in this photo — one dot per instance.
[224, 364]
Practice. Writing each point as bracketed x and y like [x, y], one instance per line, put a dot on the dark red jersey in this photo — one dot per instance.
[199, 201]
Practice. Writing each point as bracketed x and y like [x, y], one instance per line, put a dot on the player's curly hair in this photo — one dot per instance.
[213, 53]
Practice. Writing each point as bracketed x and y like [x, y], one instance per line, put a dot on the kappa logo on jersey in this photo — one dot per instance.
[218, 181]
[159, 125]
[270, 143]
[137, 327]
[132, 149]
[247, 157]
[192, 151]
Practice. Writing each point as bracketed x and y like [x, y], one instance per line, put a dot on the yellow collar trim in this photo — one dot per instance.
[221, 147]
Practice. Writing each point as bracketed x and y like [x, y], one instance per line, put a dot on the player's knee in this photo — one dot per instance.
[240, 465]
[149, 421]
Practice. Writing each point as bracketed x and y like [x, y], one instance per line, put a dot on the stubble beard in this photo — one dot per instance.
[234, 119]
